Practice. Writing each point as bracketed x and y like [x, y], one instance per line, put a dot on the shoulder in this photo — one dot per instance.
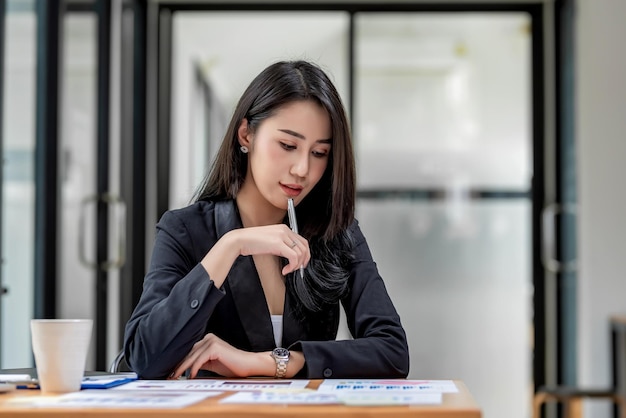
[197, 217]
[358, 242]
[355, 234]
[194, 210]
[188, 214]
[202, 217]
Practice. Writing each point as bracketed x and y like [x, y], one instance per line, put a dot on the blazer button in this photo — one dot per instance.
[328, 372]
[194, 304]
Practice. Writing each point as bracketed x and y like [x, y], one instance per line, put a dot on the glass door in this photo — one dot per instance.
[18, 179]
[77, 169]
[443, 135]
[92, 215]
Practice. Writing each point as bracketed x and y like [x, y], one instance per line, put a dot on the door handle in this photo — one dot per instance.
[549, 238]
[118, 212]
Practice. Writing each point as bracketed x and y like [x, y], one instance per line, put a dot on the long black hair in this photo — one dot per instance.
[325, 214]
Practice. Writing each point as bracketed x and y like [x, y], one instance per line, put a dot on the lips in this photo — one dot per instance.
[291, 190]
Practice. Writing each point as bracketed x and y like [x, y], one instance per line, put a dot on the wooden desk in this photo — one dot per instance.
[454, 405]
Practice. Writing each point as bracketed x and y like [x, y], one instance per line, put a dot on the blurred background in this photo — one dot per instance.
[488, 137]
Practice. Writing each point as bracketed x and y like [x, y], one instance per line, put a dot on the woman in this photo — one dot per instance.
[224, 294]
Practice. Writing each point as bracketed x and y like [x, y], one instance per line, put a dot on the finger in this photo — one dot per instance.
[178, 372]
[200, 360]
[292, 266]
[189, 359]
[181, 368]
[295, 249]
[293, 262]
[193, 372]
[304, 253]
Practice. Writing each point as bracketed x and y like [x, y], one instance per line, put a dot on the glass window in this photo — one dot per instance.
[455, 90]
[227, 50]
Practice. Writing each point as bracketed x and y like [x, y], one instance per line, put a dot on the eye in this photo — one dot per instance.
[320, 153]
[288, 147]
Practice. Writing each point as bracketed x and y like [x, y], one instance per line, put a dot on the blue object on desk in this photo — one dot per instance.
[107, 381]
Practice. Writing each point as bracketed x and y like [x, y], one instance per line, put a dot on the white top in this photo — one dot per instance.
[277, 324]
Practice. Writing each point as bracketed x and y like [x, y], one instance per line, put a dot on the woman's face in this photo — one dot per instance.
[288, 153]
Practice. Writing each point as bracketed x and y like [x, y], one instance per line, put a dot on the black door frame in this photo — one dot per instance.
[134, 151]
[47, 190]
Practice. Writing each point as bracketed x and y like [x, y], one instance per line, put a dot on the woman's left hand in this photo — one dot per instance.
[214, 354]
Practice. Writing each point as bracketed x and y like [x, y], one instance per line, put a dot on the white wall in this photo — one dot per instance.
[601, 137]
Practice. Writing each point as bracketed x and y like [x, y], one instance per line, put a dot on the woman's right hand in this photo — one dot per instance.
[215, 355]
[276, 240]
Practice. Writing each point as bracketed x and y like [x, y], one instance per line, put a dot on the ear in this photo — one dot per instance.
[243, 134]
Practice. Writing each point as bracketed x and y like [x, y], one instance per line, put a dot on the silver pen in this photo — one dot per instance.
[291, 213]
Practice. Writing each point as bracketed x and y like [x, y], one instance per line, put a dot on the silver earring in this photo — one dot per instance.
[244, 149]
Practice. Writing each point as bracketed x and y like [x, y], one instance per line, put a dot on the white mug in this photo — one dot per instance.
[60, 347]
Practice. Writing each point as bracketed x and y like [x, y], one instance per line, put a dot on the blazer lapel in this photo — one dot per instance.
[293, 330]
[245, 285]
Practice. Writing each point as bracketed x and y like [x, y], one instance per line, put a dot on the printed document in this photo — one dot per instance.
[387, 385]
[210, 384]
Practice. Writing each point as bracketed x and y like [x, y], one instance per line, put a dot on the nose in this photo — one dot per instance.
[300, 166]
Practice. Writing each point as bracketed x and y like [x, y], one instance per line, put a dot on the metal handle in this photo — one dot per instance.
[120, 220]
[548, 253]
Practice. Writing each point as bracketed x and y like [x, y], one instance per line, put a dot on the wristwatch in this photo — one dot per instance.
[281, 357]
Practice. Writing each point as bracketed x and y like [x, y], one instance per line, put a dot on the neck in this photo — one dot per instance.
[255, 210]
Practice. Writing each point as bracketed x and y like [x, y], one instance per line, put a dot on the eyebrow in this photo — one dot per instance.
[299, 135]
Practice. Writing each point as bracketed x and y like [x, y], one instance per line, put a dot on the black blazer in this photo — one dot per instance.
[180, 305]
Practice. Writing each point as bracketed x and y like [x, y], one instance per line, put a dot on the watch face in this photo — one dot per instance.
[280, 353]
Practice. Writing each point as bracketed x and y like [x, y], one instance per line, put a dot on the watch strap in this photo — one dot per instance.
[281, 358]
[281, 368]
